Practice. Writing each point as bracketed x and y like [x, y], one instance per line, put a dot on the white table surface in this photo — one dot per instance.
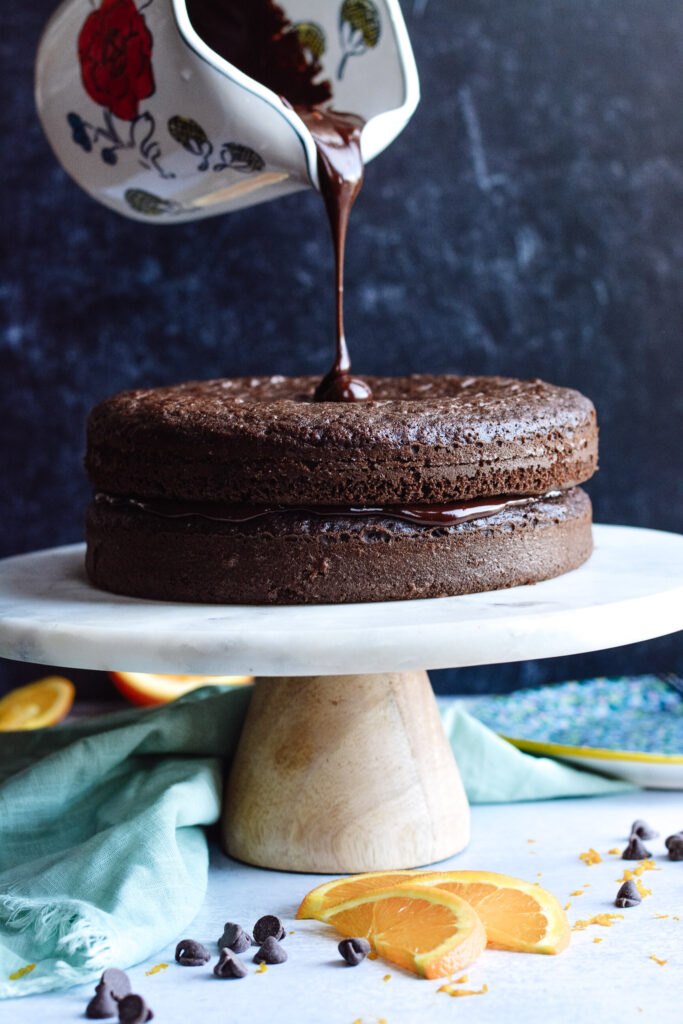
[630, 589]
[593, 983]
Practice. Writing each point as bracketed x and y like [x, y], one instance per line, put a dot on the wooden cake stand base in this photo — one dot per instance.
[344, 774]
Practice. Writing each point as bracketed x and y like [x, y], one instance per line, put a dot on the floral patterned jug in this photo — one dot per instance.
[148, 119]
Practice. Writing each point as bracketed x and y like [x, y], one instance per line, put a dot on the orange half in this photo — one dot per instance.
[425, 930]
[147, 688]
[37, 705]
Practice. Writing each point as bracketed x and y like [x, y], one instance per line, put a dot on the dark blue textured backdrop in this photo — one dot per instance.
[527, 222]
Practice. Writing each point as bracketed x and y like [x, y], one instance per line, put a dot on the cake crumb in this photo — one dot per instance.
[657, 960]
[21, 972]
[156, 969]
[591, 857]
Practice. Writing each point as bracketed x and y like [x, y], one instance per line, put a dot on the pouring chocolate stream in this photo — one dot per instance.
[257, 37]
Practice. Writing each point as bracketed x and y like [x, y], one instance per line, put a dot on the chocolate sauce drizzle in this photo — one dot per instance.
[258, 38]
[423, 515]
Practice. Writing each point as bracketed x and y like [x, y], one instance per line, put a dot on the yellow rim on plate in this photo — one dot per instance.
[559, 750]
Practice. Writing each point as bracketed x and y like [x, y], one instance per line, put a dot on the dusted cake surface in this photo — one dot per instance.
[424, 439]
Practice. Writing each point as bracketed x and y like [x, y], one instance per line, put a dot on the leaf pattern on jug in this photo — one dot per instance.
[359, 29]
[311, 37]
[149, 204]
[191, 137]
[236, 157]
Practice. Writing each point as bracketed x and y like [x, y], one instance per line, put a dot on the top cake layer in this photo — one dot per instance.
[423, 440]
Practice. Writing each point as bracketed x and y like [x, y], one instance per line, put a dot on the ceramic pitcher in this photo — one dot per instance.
[153, 123]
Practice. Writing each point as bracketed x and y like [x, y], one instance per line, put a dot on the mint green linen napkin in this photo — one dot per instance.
[103, 858]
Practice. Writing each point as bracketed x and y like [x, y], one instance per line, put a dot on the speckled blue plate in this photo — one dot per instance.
[631, 727]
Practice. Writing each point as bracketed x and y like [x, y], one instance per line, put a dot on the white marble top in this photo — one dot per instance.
[613, 981]
[631, 589]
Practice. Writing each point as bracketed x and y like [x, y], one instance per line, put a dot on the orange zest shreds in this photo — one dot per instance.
[675, 918]
[577, 892]
[641, 888]
[261, 969]
[539, 875]
[386, 977]
[661, 915]
[597, 939]
[567, 906]
[156, 969]
[531, 840]
[615, 849]
[586, 885]
[449, 990]
[602, 919]
[373, 956]
[591, 857]
[21, 972]
[657, 960]
[461, 981]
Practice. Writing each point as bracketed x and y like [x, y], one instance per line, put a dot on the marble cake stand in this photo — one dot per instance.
[343, 764]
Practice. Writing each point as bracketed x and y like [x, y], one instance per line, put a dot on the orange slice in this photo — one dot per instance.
[517, 915]
[37, 705]
[147, 688]
[339, 890]
[425, 930]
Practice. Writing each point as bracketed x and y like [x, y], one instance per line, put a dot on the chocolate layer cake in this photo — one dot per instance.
[247, 491]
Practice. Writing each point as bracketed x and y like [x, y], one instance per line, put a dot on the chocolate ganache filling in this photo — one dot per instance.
[258, 38]
[422, 515]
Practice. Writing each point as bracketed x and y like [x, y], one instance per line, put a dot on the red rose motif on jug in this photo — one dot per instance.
[114, 50]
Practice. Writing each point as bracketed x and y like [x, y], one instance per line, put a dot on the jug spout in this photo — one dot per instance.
[150, 119]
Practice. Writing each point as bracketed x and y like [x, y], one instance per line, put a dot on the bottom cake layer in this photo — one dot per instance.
[296, 557]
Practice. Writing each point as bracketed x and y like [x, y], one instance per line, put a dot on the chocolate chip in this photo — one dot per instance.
[628, 895]
[117, 982]
[134, 1010]
[112, 986]
[674, 845]
[229, 965]
[354, 950]
[235, 938]
[635, 850]
[271, 952]
[191, 954]
[102, 1004]
[267, 927]
[641, 829]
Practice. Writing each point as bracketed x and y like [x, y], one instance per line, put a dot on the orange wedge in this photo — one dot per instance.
[517, 915]
[37, 705]
[425, 930]
[147, 689]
